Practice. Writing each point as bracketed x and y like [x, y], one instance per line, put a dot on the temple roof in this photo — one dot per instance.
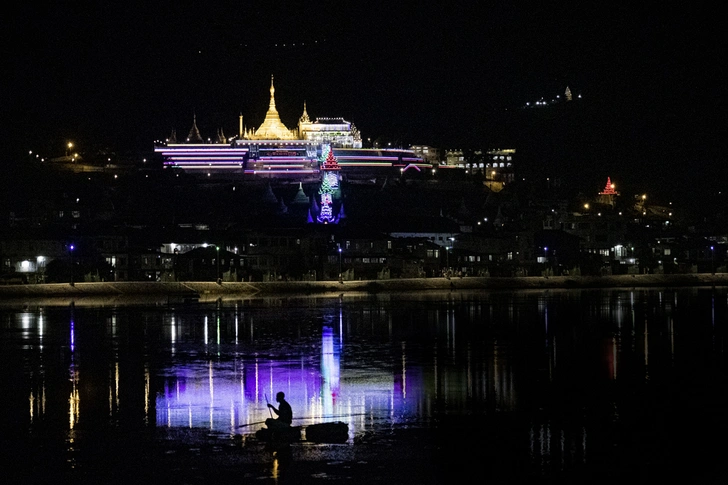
[272, 127]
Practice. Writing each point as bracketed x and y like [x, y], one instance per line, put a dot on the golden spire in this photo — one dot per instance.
[194, 135]
[272, 128]
[304, 117]
[272, 106]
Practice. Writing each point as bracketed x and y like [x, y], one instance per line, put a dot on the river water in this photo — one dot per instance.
[534, 386]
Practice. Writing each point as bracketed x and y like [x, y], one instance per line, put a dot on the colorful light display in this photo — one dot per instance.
[609, 188]
[329, 187]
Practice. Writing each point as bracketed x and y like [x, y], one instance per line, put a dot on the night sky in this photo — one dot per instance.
[446, 74]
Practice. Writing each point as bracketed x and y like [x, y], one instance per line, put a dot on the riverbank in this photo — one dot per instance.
[192, 289]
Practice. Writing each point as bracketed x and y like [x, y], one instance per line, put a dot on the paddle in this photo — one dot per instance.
[330, 416]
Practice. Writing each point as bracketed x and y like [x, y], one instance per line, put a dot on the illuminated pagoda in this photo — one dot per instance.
[607, 196]
[330, 189]
[194, 134]
[272, 127]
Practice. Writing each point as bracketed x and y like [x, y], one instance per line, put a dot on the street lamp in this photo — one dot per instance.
[712, 259]
[70, 250]
[450, 246]
[339, 247]
[217, 248]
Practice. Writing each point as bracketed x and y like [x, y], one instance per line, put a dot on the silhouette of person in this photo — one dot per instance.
[284, 413]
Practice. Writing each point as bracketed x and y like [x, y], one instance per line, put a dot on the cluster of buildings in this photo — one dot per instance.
[311, 203]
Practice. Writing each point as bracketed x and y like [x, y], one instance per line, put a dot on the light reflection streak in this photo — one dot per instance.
[212, 393]
[205, 330]
[404, 371]
[173, 334]
[147, 386]
[73, 337]
[74, 398]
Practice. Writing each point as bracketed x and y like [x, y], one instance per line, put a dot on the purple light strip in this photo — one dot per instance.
[198, 159]
[285, 159]
[278, 171]
[222, 164]
[364, 157]
[217, 150]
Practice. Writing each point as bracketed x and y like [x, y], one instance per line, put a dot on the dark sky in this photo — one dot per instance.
[441, 73]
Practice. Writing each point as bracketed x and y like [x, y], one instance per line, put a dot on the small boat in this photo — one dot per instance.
[279, 435]
[333, 432]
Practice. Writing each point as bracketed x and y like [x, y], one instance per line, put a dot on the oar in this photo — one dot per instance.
[249, 424]
[310, 418]
[268, 402]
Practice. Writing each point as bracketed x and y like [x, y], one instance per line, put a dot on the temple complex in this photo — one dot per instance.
[274, 150]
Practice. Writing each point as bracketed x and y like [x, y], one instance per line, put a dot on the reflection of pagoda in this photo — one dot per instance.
[330, 190]
[608, 195]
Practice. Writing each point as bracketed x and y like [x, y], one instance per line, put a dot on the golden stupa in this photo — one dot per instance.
[272, 127]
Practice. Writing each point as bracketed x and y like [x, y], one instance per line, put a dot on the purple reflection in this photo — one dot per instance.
[229, 393]
[330, 369]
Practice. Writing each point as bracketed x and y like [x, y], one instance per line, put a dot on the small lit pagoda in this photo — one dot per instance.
[608, 195]
[330, 190]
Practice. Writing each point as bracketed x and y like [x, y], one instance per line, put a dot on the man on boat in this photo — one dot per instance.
[284, 413]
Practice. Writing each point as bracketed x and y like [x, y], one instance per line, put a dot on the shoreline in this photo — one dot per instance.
[199, 289]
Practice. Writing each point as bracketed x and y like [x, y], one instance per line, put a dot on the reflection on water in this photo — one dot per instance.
[571, 375]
